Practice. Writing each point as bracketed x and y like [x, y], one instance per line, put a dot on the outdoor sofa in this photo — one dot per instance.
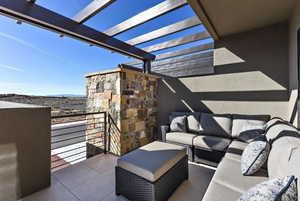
[228, 182]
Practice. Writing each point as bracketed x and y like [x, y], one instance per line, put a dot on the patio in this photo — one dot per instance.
[236, 86]
[94, 180]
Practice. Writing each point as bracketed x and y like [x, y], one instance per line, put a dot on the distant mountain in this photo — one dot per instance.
[66, 95]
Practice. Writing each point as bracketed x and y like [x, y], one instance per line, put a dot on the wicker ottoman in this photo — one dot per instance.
[152, 172]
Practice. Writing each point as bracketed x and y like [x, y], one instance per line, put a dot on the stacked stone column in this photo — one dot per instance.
[130, 97]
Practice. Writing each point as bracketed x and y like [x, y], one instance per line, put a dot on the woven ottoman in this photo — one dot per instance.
[152, 172]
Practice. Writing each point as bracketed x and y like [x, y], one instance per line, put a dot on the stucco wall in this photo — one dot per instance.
[294, 24]
[24, 150]
[251, 78]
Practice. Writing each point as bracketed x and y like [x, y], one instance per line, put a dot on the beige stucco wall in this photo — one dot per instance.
[294, 24]
[251, 78]
[24, 150]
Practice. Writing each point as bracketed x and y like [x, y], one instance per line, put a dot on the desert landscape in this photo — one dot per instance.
[60, 105]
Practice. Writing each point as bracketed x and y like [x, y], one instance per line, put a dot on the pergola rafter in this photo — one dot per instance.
[28, 11]
[47, 19]
[92, 9]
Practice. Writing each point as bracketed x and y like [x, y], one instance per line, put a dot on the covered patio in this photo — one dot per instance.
[239, 74]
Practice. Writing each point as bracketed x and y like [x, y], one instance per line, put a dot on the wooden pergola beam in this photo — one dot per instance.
[165, 31]
[47, 19]
[92, 9]
[178, 41]
[145, 16]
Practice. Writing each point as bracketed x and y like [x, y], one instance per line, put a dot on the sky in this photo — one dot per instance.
[35, 61]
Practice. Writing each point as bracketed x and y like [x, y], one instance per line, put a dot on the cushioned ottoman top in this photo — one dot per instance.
[152, 160]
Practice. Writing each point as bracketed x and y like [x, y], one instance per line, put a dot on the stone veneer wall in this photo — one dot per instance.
[131, 99]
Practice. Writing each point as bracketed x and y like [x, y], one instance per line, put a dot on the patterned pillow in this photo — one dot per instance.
[178, 124]
[251, 131]
[279, 189]
[255, 155]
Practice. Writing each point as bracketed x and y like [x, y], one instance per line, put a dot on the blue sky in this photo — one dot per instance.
[38, 62]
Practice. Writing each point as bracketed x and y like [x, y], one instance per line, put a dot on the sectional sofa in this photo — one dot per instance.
[230, 136]
[207, 136]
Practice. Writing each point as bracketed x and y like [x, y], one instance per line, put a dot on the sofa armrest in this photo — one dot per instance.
[164, 130]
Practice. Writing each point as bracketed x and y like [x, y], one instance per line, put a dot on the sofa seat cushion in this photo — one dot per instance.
[181, 138]
[229, 174]
[219, 192]
[153, 160]
[235, 149]
[216, 124]
[211, 142]
[248, 123]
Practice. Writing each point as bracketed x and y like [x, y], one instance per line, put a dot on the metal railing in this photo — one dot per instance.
[75, 138]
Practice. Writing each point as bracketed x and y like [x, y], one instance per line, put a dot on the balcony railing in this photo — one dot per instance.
[75, 138]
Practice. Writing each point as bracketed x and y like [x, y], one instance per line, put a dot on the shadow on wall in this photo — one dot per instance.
[251, 77]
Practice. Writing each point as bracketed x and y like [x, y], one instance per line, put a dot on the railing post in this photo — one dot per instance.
[105, 132]
[147, 66]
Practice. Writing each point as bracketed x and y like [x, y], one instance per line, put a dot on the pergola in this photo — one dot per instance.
[182, 62]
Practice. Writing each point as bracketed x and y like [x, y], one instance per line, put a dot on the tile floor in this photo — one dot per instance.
[93, 180]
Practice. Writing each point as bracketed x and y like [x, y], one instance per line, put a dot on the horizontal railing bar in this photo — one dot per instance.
[54, 142]
[63, 134]
[76, 115]
[67, 150]
[58, 129]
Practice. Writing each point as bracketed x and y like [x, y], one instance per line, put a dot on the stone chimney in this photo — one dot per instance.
[130, 97]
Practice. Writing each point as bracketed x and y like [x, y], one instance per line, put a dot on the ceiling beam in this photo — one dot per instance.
[178, 41]
[165, 31]
[201, 13]
[92, 9]
[145, 16]
[47, 19]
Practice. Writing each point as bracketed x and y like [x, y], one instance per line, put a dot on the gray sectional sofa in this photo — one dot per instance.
[228, 182]
[207, 136]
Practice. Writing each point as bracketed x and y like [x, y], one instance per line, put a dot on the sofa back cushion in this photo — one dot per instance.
[248, 123]
[193, 121]
[216, 124]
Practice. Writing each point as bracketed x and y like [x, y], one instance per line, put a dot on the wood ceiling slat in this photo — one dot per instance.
[177, 53]
[178, 41]
[145, 16]
[165, 31]
[205, 55]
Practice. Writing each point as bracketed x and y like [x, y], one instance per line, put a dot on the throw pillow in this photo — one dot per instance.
[240, 122]
[250, 131]
[283, 189]
[178, 124]
[255, 155]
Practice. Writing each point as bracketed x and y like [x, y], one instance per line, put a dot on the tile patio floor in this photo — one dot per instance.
[94, 180]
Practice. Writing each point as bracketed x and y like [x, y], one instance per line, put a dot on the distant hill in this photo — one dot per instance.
[60, 104]
[66, 95]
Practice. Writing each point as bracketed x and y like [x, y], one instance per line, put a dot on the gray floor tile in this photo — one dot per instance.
[96, 188]
[57, 192]
[75, 175]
